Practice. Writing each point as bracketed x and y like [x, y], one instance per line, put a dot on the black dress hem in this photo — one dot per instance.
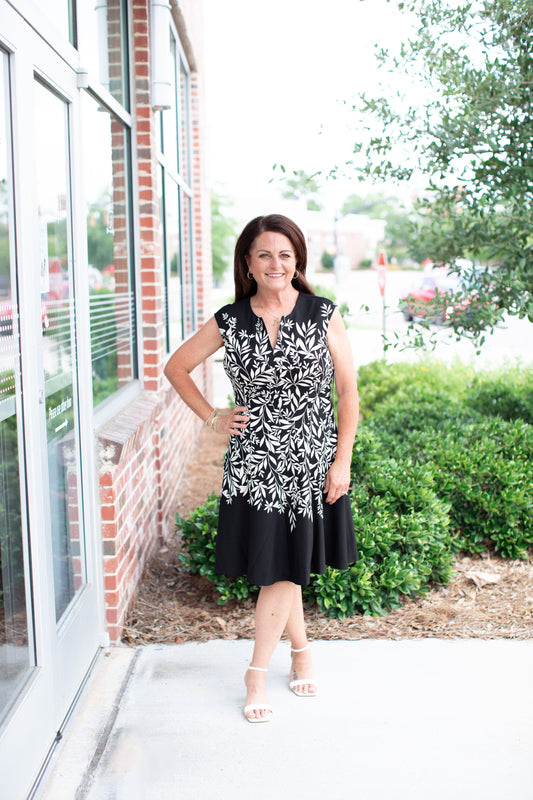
[274, 551]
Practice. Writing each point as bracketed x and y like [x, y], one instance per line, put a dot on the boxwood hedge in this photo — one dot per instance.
[443, 461]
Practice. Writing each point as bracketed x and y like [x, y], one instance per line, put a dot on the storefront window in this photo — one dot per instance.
[176, 204]
[14, 635]
[172, 260]
[110, 274]
[61, 14]
[183, 117]
[103, 43]
[187, 272]
[169, 118]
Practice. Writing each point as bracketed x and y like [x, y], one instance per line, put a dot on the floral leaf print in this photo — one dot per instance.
[279, 462]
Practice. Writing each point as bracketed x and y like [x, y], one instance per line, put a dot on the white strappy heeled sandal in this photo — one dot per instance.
[258, 706]
[295, 682]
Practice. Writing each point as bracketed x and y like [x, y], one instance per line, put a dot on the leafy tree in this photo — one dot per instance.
[376, 204]
[299, 185]
[471, 140]
[222, 235]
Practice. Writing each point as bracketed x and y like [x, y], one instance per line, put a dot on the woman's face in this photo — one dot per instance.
[272, 261]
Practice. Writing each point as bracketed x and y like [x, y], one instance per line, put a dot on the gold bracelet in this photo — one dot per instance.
[210, 418]
[213, 423]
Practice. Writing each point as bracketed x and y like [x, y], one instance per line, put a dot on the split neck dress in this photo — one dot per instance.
[274, 524]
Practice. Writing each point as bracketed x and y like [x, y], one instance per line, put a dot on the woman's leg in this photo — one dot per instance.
[302, 664]
[274, 605]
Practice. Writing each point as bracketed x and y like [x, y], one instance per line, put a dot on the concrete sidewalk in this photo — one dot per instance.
[409, 720]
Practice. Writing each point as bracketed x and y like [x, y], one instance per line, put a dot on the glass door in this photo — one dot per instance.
[16, 651]
[51, 593]
[58, 331]
[64, 411]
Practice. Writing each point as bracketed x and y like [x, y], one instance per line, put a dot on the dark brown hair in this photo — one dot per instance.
[275, 223]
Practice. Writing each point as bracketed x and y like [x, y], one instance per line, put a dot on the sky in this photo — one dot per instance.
[277, 75]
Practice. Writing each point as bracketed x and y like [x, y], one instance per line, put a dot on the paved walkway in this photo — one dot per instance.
[409, 720]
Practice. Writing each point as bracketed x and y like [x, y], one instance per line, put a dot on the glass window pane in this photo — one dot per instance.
[187, 273]
[183, 118]
[175, 206]
[59, 338]
[113, 339]
[14, 645]
[173, 282]
[103, 42]
[61, 14]
[170, 115]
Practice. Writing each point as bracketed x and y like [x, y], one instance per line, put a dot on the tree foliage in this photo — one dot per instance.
[298, 185]
[468, 133]
[222, 235]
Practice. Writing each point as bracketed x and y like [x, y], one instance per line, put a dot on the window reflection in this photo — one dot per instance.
[14, 645]
[113, 340]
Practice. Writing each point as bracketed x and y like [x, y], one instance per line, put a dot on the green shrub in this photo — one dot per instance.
[507, 393]
[401, 527]
[402, 534]
[327, 260]
[442, 464]
[484, 470]
[423, 409]
[477, 440]
[381, 382]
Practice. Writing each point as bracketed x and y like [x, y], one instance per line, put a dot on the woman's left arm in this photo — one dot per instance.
[338, 477]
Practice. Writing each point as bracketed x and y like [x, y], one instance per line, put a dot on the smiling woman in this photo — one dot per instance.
[254, 253]
[284, 511]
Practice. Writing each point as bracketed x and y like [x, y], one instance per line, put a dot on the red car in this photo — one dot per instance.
[430, 297]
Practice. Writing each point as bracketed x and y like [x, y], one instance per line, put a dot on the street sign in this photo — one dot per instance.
[382, 271]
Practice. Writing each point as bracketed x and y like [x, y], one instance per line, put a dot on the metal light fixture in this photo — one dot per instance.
[160, 55]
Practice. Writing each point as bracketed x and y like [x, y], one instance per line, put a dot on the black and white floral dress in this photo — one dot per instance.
[274, 524]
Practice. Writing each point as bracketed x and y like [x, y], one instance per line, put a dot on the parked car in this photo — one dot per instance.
[431, 297]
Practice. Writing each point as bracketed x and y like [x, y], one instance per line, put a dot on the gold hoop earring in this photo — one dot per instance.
[296, 273]
[250, 276]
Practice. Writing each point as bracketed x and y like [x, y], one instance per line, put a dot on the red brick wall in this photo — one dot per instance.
[145, 449]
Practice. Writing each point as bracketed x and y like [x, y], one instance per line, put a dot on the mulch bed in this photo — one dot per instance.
[490, 597]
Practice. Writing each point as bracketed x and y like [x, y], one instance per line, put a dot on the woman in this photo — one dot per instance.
[284, 511]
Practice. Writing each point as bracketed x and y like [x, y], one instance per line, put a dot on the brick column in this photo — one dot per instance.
[151, 291]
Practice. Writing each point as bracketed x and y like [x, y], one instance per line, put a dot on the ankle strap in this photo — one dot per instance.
[258, 669]
[307, 646]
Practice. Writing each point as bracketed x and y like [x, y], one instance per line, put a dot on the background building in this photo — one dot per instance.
[104, 269]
